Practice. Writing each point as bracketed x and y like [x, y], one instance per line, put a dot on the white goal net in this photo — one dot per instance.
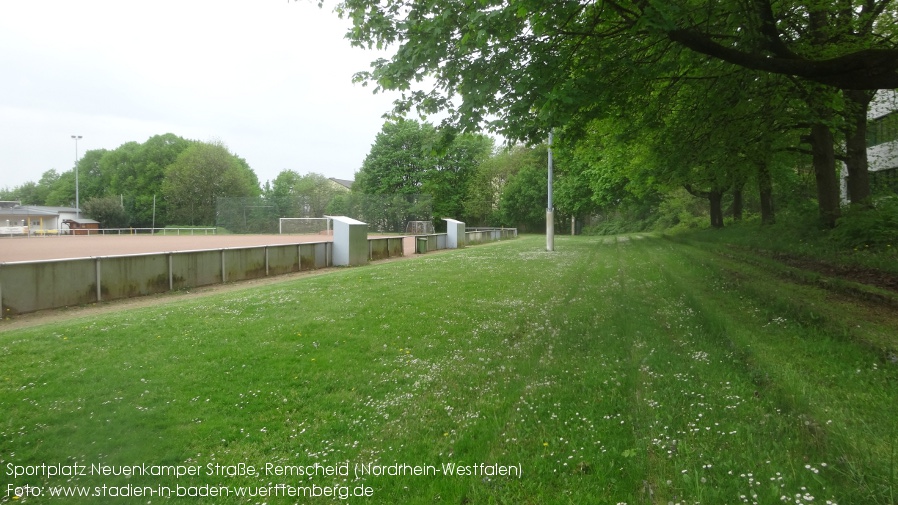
[419, 228]
[305, 226]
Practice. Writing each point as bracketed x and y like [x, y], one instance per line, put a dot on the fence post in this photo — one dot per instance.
[99, 291]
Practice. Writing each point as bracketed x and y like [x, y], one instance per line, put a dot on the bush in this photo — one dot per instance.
[875, 226]
[108, 211]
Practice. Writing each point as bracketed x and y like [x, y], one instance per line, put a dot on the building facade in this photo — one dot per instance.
[17, 219]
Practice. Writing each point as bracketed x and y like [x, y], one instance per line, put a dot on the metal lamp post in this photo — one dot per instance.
[550, 210]
[77, 202]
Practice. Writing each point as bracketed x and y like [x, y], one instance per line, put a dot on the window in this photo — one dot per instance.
[884, 182]
[882, 129]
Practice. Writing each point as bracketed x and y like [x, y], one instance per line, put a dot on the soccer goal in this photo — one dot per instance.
[419, 228]
[305, 226]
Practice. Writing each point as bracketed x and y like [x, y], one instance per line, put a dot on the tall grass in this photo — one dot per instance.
[613, 370]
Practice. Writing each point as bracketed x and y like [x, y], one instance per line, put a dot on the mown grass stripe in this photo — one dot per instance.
[634, 370]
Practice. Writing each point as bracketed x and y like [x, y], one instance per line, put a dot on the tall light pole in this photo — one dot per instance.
[550, 210]
[77, 202]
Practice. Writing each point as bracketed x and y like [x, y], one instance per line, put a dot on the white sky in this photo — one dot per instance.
[272, 79]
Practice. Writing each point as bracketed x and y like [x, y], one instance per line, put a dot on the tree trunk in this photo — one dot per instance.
[765, 189]
[856, 146]
[824, 159]
[737, 202]
[715, 198]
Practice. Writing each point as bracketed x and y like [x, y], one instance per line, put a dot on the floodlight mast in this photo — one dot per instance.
[77, 203]
[550, 211]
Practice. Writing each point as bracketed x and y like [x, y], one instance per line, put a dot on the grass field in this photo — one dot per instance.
[636, 370]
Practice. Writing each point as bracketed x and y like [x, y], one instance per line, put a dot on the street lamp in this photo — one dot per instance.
[77, 203]
[550, 210]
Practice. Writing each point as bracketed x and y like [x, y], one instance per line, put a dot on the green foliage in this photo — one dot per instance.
[389, 213]
[869, 226]
[409, 158]
[456, 165]
[62, 190]
[200, 175]
[400, 159]
[39, 194]
[525, 194]
[483, 204]
[137, 172]
[133, 173]
[339, 205]
[527, 66]
[681, 211]
[697, 93]
[93, 180]
[295, 195]
[627, 218]
[108, 210]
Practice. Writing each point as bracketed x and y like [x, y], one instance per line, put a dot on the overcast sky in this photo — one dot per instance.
[272, 79]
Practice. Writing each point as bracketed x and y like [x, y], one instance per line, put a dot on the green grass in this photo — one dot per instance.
[855, 243]
[613, 370]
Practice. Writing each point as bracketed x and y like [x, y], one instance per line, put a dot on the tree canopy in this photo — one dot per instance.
[127, 182]
[524, 67]
[528, 65]
[200, 175]
[415, 169]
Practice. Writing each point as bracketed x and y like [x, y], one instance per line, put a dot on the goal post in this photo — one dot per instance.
[419, 228]
[305, 226]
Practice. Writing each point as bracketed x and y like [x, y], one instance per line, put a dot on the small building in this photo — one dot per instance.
[17, 219]
[341, 184]
[82, 226]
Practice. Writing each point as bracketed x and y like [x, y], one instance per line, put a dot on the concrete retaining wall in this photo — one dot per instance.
[383, 248]
[484, 235]
[29, 286]
[38, 285]
[435, 242]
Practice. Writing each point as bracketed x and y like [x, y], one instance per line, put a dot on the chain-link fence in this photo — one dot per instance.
[383, 213]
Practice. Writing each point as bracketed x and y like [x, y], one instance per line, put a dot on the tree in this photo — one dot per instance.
[29, 193]
[427, 167]
[280, 192]
[399, 160]
[527, 66]
[108, 210]
[525, 193]
[200, 175]
[857, 105]
[315, 192]
[62, 190]
[448, 181]
[136, 171]
[92, 181]
[527, 62]
[296, 195]
[485, 187]
[571, 195]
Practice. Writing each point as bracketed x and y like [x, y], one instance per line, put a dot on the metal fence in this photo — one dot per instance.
[26, 232]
